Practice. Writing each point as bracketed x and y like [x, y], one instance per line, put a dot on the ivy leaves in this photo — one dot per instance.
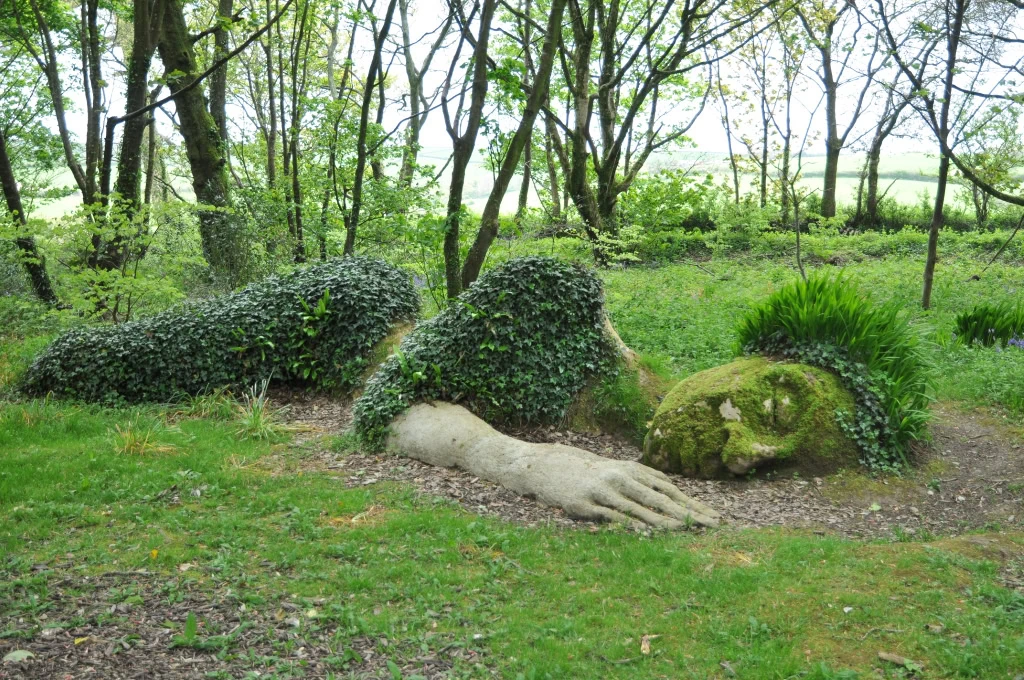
[312, 327]
[516, 347]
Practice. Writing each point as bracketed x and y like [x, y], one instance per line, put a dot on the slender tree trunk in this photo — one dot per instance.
[48, 64]
[462, 152]
[764, 153]
[873, 160]
[522, 139]
[93, 80]
[952, 46]
[938, 217]
[31, 258]
[833, 142]
[150, 165]
[219, 78]
[549, 158]
[364, 122]
[112, 255]
[223, 243]
[784, 178]
[524, 188]
[268, 55]
[376, 166]
[828, 194]
[727, 124]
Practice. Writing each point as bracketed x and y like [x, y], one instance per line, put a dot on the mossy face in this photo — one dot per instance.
[749, 414]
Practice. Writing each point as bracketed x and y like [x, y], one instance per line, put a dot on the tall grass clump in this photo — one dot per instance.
[989, 324]
[825, 321]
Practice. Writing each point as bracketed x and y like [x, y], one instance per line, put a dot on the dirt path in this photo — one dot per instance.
[971, 476]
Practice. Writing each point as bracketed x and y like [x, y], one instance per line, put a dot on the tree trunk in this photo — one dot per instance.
[952, 46]
[219, 78]
[874, 157]
[524, 188]
[521, 140]
[549, 157]
[364, 122]
[31, 258]
[223, 243]
[784, 179]
[727, 124]
[833, 143]
[933, 231]
[462, 151]
[91, 62]
[828, 192]
[112, 255]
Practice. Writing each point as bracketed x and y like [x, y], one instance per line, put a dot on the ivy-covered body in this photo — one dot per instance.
[751, 413]
[313, 327]
[518, 346]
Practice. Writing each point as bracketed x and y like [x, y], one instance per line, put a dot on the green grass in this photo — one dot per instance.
[534, 603]
[991, 324]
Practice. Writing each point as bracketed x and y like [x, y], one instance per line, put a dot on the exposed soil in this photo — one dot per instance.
[970, 476]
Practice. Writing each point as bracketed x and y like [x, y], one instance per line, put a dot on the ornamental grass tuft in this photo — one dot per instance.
[880, 357]
[989, 325]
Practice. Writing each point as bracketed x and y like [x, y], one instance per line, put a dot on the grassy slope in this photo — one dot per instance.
[547, 603]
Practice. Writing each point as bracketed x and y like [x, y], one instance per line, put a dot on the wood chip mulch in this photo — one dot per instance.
[980, 483]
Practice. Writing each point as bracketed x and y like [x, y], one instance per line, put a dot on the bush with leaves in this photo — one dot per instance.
[990, 324]
[827, 323]
[516, 347]
[312, 327]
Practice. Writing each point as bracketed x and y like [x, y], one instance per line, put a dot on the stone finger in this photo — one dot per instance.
[634, 509]
[600, 512]
[666, 505]
[672, 491]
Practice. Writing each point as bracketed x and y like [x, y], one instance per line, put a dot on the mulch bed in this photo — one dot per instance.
[982, 485]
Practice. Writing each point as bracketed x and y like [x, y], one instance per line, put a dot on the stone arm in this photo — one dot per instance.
[585, 485]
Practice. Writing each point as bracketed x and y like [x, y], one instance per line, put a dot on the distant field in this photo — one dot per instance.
[910, 175]
[479, 180]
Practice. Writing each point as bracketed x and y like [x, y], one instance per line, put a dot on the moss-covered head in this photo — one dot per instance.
[749, 414]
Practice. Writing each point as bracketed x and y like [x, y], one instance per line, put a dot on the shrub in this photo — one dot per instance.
[311, 327]
[825, 322]
[516, 347]
[989, 324]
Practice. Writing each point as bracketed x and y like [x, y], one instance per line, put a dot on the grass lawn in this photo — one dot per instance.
[194, 545]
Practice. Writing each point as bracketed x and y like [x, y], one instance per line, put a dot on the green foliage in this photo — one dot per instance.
[990, 324]
[516, 347]
[669, 200]
[289, 328]
[824, 321]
